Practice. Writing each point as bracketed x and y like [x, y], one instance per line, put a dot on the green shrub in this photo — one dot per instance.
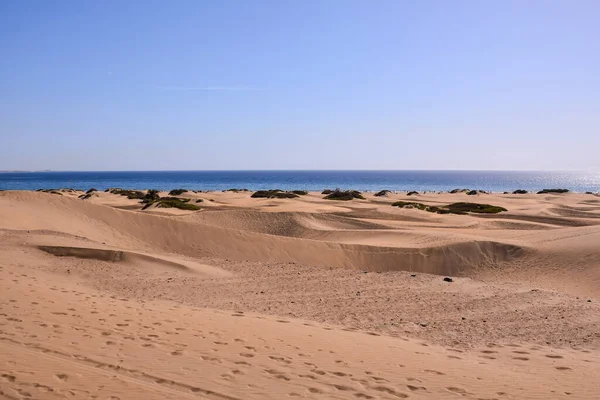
[52, 191]
[300, 192]
[345, 195]
[463, 208]
[177, 192]
[273, 194]
[173, 202]
[520, 191]
[471, 192]
[382, 193]
[412, 193]
[90, 191]
[327, 191]
[151, 195]
[199, 201]
[545, 191]
[408, 204]
[131, 194]
[454, 208]
[236, 190]
[454, 191]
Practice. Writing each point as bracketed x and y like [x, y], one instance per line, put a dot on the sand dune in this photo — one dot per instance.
[267, 298]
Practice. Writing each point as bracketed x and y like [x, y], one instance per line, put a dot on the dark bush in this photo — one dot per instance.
[327, 191]
[458, 208]
[544, 191]
[590, 193]
[199, 201]
[236, 190]
[131, 194]
[520, 191]
[454, 191]
[345, 195]
[408, 204]
[85, 196]
[177, 192]
[151, 195]
[300, 192]
[412, 193]
[472, 192]
[273, 194]
[173, 202]
[382, 193]
[454, 208]
[91, 190]
[53, 191]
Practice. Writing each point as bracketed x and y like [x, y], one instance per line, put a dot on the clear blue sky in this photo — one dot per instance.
[134, 85]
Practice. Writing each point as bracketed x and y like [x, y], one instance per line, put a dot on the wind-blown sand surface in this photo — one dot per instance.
[275, 298]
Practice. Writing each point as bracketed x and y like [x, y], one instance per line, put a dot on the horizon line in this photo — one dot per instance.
[301, 170]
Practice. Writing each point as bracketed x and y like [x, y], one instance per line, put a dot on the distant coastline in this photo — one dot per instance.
[436, 181]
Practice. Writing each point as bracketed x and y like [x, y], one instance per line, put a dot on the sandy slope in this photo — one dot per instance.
[262, 298]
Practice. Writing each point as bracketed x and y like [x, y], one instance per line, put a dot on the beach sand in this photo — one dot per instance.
[311, 298]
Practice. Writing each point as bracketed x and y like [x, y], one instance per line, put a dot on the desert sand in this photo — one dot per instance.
[310, 298]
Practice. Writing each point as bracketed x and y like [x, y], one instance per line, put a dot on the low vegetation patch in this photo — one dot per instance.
[454, 191]
[382, 193]
[172, 202]
[454, 208]
[520, 191]
[300, 192]
[151, 195]
[236, 190]
[545, 191]
[327, 191]
[91, 190]
[412, 193]
[130, 194]
[418, 206]
[177, 192]
[344, 195]
[53, 191]
[273, 194]
[463, 208]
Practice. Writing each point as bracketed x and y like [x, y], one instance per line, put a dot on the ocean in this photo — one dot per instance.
[494, 181]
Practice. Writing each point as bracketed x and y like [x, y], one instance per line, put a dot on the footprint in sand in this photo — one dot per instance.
[457, 390]
[391, 391]
[280, 359]
[62, 377]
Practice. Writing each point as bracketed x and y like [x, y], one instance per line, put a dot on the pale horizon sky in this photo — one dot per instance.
[230, 85]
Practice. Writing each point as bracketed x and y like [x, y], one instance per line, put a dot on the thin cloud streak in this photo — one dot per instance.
[212, 88]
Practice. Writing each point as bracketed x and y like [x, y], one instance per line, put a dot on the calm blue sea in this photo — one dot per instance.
[496, 181]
